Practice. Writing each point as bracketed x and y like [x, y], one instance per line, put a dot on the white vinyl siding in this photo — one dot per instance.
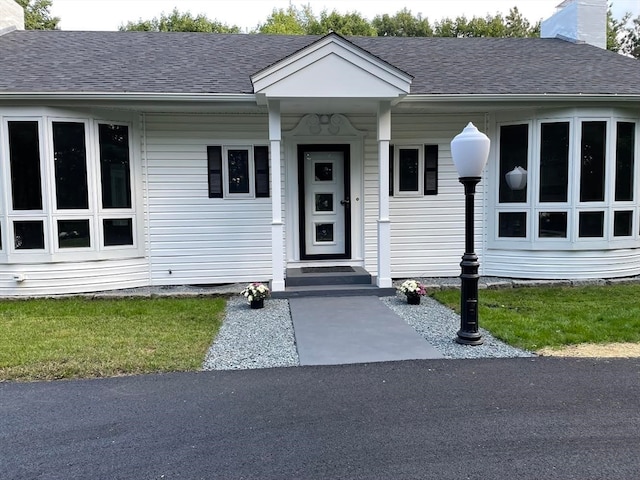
[427, 232]
[66, 278]
[578, 264]
[194, 239]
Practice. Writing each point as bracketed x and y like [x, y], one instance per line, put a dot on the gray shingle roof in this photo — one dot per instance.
[60, 61]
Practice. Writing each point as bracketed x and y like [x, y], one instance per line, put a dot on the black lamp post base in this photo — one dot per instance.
[469, 338]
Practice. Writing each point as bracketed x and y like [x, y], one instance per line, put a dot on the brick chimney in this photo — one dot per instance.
[11, 16]
[578, 21]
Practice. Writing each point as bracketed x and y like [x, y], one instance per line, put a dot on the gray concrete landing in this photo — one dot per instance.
[340, 330]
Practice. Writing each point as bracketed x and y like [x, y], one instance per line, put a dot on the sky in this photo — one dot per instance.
[247, 14]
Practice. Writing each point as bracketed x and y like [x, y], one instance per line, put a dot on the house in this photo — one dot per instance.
[132, 159]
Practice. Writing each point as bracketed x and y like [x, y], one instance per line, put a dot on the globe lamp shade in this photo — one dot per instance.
[470, 151]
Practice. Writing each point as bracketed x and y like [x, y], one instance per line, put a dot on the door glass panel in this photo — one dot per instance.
[592, 156]
[514, 152]
[118, 232]
[114, 166]
[323, 172]
[512, 224]
[591, 224]
[70, 158]
[625, 145]
[552, 225]
[554, 162]
[324, 202]
[29, 235]
[622, 223]
[73, 234]
[409, 170]
[324, 232]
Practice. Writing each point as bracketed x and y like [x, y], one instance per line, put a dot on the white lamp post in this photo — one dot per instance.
[470, 150]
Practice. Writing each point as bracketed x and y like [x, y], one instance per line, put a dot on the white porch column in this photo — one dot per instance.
[384, 224]
[277, 225]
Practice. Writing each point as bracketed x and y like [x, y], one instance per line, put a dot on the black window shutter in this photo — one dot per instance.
[391, 170]
[431, 169]
[261, 164]
[214, 158]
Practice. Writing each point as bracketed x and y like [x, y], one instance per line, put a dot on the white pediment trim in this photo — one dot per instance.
[336, 125]
[332, 67]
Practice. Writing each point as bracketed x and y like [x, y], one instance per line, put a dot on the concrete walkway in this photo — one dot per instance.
[341, 330]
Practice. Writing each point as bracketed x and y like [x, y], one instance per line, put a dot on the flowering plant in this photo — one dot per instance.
[412, 288]
[255, 291]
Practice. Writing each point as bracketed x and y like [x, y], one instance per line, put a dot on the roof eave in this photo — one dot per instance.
[528, 97]
[131, 96]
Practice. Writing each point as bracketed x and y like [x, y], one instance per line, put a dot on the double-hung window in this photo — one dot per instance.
[238, 171]
[413, 170]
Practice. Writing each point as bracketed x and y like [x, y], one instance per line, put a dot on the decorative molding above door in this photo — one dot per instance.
[318, 125]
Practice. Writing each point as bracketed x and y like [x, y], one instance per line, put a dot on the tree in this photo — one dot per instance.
[630, 44]
[180, 22]
[402, 24]
[37, 15]
[348, 24]
[514, 25]
[518, 26]
[302, 21]
[291, 21]
[615, 30]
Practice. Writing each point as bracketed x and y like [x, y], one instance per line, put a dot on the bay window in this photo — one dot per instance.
[580, 183]
[69, 189]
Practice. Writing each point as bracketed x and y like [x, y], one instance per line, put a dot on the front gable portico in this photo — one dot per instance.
[331, 67]
[329, 77]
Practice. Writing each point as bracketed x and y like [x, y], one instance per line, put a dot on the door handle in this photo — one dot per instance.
[345, 202]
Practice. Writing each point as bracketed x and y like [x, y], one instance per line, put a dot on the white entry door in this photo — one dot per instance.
[325, 204]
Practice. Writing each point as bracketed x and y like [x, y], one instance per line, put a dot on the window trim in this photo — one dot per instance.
[396, 171]
[250, 170]
[6, 171]
[90, 164]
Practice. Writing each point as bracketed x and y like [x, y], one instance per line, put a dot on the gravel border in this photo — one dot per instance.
[260, 338]
[265, 338]
[439, 325]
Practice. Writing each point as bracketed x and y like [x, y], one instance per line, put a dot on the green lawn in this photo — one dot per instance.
[46, 339]
[534, 318]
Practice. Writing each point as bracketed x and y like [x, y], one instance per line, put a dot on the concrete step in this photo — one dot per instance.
[334, 291]
[314, 276]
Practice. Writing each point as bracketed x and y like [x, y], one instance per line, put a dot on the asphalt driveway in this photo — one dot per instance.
[443, 419]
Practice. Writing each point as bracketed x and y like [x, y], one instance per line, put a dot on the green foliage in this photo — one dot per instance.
[351, 23]
[533, 318]
[615, 30]
[630, 44]
[180, 22]
[518, 26]
[302, 21]
[47, 339]
[514, 25]
[292, 21]
[37, 15]
[402, 24]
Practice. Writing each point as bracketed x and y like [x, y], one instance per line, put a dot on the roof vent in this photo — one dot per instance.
[11, 16]
[578, 21]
